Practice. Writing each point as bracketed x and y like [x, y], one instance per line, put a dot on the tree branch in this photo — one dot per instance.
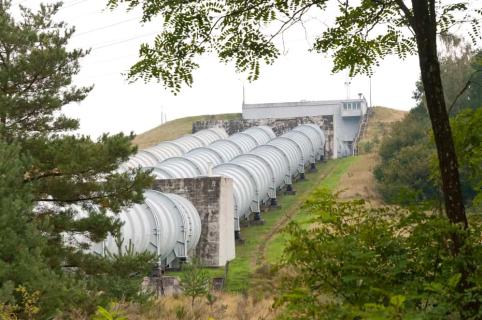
[291, 20]
[466, 86]
[376, 19]
[29, 177]
[74, 200]
[80, 199]
[407, 12]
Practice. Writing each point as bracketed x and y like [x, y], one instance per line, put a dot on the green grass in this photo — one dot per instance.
[275, 247]
[242, 266]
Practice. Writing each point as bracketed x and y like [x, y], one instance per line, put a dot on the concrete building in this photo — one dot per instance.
[347, 117]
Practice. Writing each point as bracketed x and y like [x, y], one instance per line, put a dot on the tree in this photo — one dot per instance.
[363, 33]
[70, 181]
[21, 242]
[468, 141]
[406, 173]
[194, 281]
[461, 73]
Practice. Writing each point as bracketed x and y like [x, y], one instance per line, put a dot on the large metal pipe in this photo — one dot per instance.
[166, 225]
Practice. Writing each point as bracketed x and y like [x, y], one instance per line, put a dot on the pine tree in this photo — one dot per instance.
[21, 243]
[66, 174]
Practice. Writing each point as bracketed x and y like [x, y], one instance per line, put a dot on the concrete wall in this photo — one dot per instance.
[279, 127]
[213, 198]
[349, 130]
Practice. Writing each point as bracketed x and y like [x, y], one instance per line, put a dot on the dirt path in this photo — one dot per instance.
[285, 219]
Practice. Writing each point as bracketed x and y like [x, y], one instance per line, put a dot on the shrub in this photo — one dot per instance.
[359, 262]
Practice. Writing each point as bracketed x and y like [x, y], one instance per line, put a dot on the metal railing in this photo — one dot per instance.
[361, 131]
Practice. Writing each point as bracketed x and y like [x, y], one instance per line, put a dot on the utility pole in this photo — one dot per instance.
[244, 95]
[347, 84]
[163, 115]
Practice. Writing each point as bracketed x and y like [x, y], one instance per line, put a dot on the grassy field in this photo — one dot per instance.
[176, 128]
[330, 176]
[263, 242]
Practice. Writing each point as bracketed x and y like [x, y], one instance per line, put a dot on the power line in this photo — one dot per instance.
[102, 46]
[72, 3]
[103, 61]
[101, 75]
[104, 27]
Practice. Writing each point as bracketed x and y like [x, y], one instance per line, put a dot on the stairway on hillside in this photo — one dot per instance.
[361, 130]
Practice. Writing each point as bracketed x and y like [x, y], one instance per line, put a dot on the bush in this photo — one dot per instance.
[358, 262]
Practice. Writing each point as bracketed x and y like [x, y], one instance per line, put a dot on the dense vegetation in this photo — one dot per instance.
[360, 262]
[56, 188]
[407, 172]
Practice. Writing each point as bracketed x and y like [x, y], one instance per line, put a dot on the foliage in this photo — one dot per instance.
[406, 173]
[120, 276]
[403, 174]
[461, 72]
[467, 128]
[63, 184]
[366, 146]
[362, 35]
[26, 309]
[22, 265]
[111, 314]
[194, 280]
[360, 262]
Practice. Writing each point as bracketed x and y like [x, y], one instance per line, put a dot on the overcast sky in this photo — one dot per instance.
[116, 105]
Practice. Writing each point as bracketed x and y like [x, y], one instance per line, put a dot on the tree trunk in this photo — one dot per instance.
[425, 27]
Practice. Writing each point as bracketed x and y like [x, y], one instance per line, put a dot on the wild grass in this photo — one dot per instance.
[176, 128]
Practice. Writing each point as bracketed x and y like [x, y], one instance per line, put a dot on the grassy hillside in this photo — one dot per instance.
[359, 182]
[176, 128]
[379, 124]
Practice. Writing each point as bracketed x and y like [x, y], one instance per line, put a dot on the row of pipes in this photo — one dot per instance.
[259, 163]
[175, 148]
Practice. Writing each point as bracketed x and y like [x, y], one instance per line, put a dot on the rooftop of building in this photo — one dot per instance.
[301, 103]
